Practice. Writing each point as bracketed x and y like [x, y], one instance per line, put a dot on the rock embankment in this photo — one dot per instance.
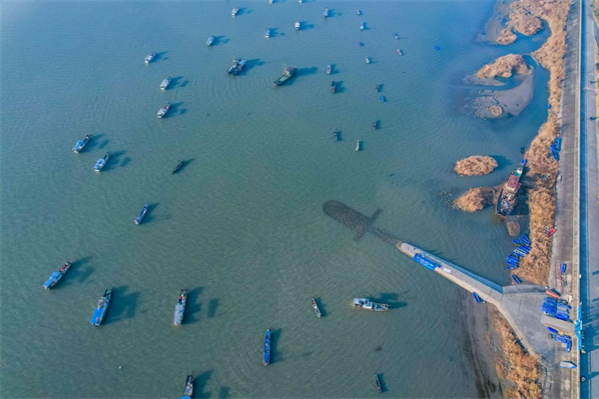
[505, 67]
[475, 199]
[476, 165]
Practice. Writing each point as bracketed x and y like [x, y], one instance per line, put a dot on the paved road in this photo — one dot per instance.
[589, 210]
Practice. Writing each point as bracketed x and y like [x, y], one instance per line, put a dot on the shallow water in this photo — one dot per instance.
[242, 225]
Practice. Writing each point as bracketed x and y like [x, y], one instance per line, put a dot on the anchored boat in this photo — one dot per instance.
[210, 40]
[267, 33]
[358, 12]
[57, 275]
[297, 24]
[378, 88]
[362, 26]
[163, 111]
[358, 145]
[178, 167]
[81, 144]
[366, 304]
[377, 384]
[100, 311]
[333, 87]
[236, 67]
[180, 307]
[329, 69]
[400, 52]
[188, 391]
[508, 194]
[368, 60]
[165, 83]
[235, 11]
[142, 214]
[288, 74]
[266, 357]
[150, 57]
[375, 125]
[101, 163]
[336, 135]
[326, 12]
[316, 308]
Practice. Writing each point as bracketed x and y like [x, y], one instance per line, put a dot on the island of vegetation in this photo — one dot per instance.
[476, 165]
[475, 199]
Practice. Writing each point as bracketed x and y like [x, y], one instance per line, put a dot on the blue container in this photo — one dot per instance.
[562, 316]
[564, 266]
[552, 330]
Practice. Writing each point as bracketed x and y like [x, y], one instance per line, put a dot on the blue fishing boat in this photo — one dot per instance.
[142, 214]
[100, 311]
[552, 330]
[326, 13]
[516, 279]
[362, 26]
[525, 238]
[511, 267]
[477, 298]
[57, 275]
[425, 262]
[210, 40]
[81, 144]
[517, 241]
[568, 346]
[567, 365]
[188, 391]
[101, 163]
[564, 266]
[437, 48]
[383, 99]
[554, 153]
[562, 316]
[180, 307]
[267, 33]
[557, 144]
[266, 358]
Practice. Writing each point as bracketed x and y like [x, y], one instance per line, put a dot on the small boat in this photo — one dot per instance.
[57, 275]
[477, 298]
[180, 307]
[333, 87]
[437, 48]
[377, 384]
[552, 330]
[150, 57]
[188, 391]
[101, 163]
[236, 67]
[299, 1]
[163, 111]
[368, 60]
[165, 83]
[235, 11]
[270, 1]
[567, 365]
[362, 26]
[288, 74]
[142, 214]
[267, 33]
[511, 267]
[81, 144]
[266, 357]
[366, 304]
[316, 308]
[400, 52]
[178, 167]
[378, 88]
[297, 25]
[525, 238]
[326, 13]
[396, 36]
[552, 294]
[358, 12]
[557, 144]
[100, 311]
[210, 40]
[554, 153]
[358, 145]
[375, 124]
[336, 135]
[516, 279]
[383, 99]
[564, 266]
[329, 69]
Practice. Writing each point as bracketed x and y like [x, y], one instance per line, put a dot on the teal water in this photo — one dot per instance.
[242, 225]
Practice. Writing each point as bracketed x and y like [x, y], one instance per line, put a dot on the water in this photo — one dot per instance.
[242, 225]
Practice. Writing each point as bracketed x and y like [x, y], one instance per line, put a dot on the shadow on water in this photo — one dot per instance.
[275, 355]
[103, 144]
[175, 81]
[224, 393]
[213, 307]
[125, 162]
[79, 271]
[200, 385]
[174, 108]
[299, 73]
[218, 40]
[160, 56]
[114, 160]
[150, 213]
[274, 32]
[123, 305]
[340, 88]
[502, 162]
[187, 162]
[193, 307]
[390, 299]
[249, 64]
[306, 26]
[95, 142]
[321, 306]
[382, 381]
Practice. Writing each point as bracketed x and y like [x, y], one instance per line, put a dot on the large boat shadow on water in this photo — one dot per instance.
[193, 307]
[123, 305]
[79, 273]
[200, 383]
[300, 73]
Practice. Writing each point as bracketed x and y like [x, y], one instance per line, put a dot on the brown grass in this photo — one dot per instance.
[504, 67]
[475, 199]
[476, 165]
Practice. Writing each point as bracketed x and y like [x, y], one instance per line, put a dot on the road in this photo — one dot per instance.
[589, 210]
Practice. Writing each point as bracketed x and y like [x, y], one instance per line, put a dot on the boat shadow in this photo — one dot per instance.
[321, 306]
[304, 25]
[275, 355]
[274, 32]
[213, 307]
[218, 40]
[94, 142]
[301, 72]
[382, 381]
[200, 383]
[224, 393]
[160, 56]
[339, 87]
[502, 162]
[114, 161]
[150, 213]
[250, 64]
[79, 272]
[390, 298]
[123, 305]
[244, 11]
[339, 135]
[193, 306]
[187, 162]
[176, 107]
[175, 82]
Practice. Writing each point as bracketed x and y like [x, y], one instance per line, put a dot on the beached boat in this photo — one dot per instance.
[477, 298]
[101, 308]
[188, 391]
[557, 144]
[267, 33]
[377, 384]
[178, 167]
[142, 214]
[101, 163]
[316, 308]
[150, 57]
[236, 67]
[235, 11]
[180, 307]
[163, 111]
[329, 69]
[210, 40]
[326, 13]
[57, 275]
[362, 26]
[554, 153]
[358, 145]
[288, 74]
[333, 87]
[516, 279]
[165, 83]
[297, 25]
[567, 365]
[81, 144]
[266, 357]
[508, 194]
[365, 303]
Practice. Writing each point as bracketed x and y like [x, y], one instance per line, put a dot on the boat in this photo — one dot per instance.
[210, 40]
[437, 48]
[508, 194]
[270, 1]
[316, 308]
[236, 67]
[396, 36]
[564, 266]
[297, 24]
[554, 153]
[81, 144]
[362, 27]
[100, 311]
[333, 87]
[552, 330]
[142, 214]
[163, 111]
[378, 88]
[557, 144]
[235, 11]
[516, 279]
[366, 304]
[150, 57]
[288, 74]
[399, 51]
[429, 264]
[477, 298]
[299, 1]
[377, 384]
[101, 163]
[188, 391]
[178, 167]
[267, 33]
[329, 69]
[567, 365]
[383, 99]
[180, 307]
[326, 12]
[57, 275]
[165, 83]
[358, 145]
[368, 60]
[266, 357]
[336, 135]
[358, 12]
[375, 125]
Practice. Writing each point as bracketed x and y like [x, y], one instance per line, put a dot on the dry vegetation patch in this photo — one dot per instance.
[476, 165]
[475, 199]
[504, 67]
